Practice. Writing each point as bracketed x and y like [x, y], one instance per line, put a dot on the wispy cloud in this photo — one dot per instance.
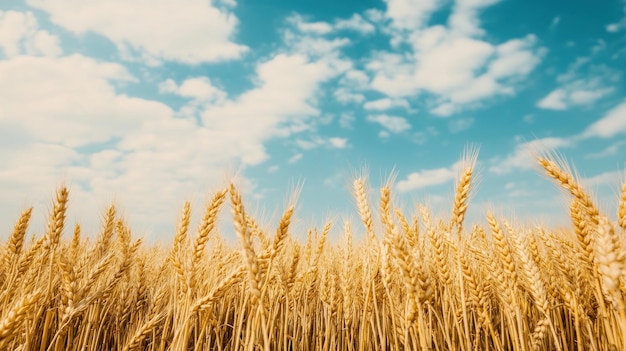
[612, 124]
[385, 104]
[523, 157]
[393, 124]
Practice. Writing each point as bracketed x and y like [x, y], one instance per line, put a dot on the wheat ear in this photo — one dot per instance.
[57, 220]
[462, 192]
[241, 228]
[568, 182]
[363, 207]
[16, 241]
[179, 241]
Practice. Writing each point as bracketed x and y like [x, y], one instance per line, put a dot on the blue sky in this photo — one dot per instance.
[151, 103]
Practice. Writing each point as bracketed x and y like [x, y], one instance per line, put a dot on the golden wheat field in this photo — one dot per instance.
[413, 283]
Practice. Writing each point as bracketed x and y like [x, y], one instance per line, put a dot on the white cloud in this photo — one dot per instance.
[317, 141]
[613, 123]
[393, 124]
[129, 146]
[606, 178]
[74, 92]
[385, 104]
[65, 119]
[426, 178]
[188, 31]
[345, 96]
[313, 27]
[338, 143]
[315, 46]
[407, 14]
[454, 66]
[582, 84]
[524, 155]
[515, 57]
[614, 27]
[355, 79]
[200, 88]
[295, 158]
[464, 17]
[449, 65]
[610, 150]
[445, 109]
[617, 26]
[356, 23]
[19, 35]
[282, 101]
[578, 93]
[554, 101]
[586, 97]
[351, 84]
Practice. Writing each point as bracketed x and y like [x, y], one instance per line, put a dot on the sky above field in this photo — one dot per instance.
[151, 103]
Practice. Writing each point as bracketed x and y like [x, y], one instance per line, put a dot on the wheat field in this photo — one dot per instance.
[414, 282]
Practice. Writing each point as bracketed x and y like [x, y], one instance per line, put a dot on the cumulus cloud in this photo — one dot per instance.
[69, 100]
[453, 64]
[423, 179]
[188, 31]
[199, 88]
[280, 103]
[407, 14]
[73, 124]
[19, 34]
[67, 119]
[450, 62]
[428, 178]
[464, 18]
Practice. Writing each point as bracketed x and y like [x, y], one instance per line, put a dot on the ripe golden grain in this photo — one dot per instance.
[400, 287]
